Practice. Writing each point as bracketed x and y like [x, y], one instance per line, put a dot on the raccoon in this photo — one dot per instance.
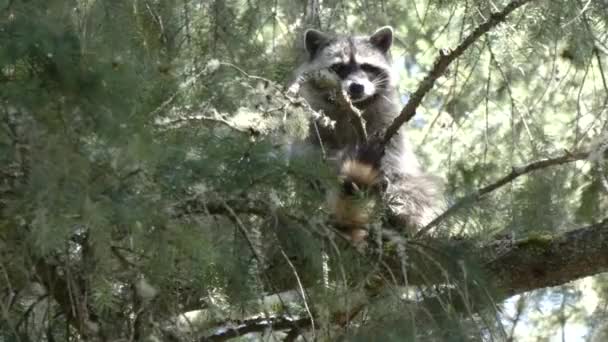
[360, 67]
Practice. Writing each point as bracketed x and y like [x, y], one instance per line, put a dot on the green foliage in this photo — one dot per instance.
[151, 164]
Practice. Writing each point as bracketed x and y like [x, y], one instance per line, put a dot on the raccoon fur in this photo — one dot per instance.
[360, 67]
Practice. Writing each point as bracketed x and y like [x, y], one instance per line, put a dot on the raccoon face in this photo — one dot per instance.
[360, 63]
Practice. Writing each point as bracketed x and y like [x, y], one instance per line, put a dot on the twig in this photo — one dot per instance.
[235, 218]
[580, 14]
[515, 172]
[201, 117]
[246, 74]
[441, 64]
[28, 311]
[354, 114]
[302, 292]
[241, 227]
[320, 140]
[60, 289]
[208, 69]
[213, 205]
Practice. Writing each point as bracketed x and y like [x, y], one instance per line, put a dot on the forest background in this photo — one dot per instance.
[145, 192]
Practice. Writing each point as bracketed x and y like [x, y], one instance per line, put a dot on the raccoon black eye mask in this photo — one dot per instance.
[358, 62]
[359, 81]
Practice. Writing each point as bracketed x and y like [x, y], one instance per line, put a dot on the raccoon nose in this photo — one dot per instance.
[356, 89]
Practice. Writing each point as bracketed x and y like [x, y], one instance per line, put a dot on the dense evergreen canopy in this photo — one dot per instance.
[147, 191]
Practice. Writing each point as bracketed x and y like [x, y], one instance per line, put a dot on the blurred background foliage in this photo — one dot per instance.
[144, 157]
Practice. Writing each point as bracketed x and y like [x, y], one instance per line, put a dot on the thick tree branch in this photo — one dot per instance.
[539, 262]
[441, 64]
[257, 325]
[529, 264]
[514, 267]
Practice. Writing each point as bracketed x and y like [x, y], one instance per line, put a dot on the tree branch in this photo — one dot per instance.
[257, 325]
[215, 205]
[515, 172]
[68, 297]
[539, 262]
[441, 64]
[199, 117]
[528, 264]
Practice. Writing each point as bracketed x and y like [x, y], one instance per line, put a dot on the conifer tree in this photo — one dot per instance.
[150, 188]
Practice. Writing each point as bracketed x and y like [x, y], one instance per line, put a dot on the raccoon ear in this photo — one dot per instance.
[313, 39]
[382, 38]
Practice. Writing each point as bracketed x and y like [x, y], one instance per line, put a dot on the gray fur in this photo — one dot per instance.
[413, 196]
[414, 201]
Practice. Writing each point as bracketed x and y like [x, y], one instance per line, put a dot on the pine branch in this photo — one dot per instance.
[441, 64]
[199, 117]
[302, 291]
[212, 205]
[257, 325]
[528, 264]
[68, 296]
[515, 173]
[535, 263]
[294, 326]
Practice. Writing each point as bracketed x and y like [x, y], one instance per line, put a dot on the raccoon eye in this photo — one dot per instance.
[339, 68]
[369, 68]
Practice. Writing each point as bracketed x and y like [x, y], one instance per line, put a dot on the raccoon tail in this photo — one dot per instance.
[413, 201]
